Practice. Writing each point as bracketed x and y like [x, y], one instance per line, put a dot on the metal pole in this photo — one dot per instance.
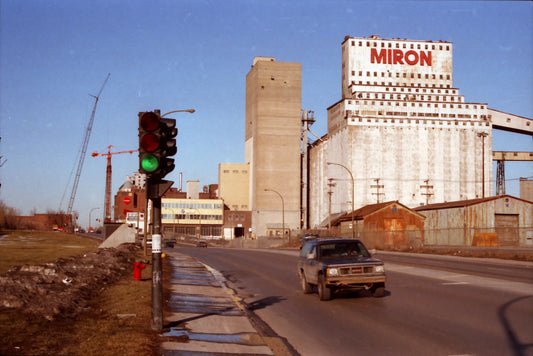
[157, 282]
[282, 211]
[353, 195]
[90, 212]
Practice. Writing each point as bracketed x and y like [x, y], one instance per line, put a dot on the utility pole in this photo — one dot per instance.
[427, 188]
[378, 187]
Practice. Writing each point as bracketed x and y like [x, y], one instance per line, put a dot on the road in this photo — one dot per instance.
[432, 306]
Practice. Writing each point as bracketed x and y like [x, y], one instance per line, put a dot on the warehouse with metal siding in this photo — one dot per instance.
[494, 221]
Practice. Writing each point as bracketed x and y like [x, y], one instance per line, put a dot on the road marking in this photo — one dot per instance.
[450, 278]
[453, 283]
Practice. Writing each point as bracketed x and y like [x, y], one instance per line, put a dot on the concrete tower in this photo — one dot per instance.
[272, 147]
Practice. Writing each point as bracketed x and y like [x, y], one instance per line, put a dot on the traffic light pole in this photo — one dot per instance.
[156, 189]
[157, 282]
[157, 144]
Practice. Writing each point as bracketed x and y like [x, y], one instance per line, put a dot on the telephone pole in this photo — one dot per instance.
[427, 187]
[378, 187]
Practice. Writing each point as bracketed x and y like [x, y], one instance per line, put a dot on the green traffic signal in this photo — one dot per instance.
[149, 163]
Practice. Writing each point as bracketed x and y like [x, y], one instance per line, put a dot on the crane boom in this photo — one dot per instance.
[107, 207]
[84, 150]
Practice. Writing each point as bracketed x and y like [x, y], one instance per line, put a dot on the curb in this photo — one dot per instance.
[203, 316]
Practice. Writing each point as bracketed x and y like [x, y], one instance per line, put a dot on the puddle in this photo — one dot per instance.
[242, 338]
[190, 271]
[201, 304]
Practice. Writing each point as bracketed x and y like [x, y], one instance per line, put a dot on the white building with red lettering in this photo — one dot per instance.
[401, 129]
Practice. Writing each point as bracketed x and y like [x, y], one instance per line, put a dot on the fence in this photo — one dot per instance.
[399, 239]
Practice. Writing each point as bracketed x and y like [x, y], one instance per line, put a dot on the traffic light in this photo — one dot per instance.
[157, 144]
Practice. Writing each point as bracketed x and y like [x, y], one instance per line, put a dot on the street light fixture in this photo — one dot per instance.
[353, 193]
[186, 110]
[282, 211]
[90, 212]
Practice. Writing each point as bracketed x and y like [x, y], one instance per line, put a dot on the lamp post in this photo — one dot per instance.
[353, 194]
[157, 269]
[282, 211]
[90, 212]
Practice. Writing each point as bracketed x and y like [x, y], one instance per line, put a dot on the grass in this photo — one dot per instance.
[35, 247]
[118, 321]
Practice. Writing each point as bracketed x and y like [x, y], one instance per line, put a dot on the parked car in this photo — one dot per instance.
[201, 243]
[169, 243]
[339, 264]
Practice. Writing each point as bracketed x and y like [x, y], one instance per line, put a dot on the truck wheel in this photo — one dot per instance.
[324, 293]
[306, 287]
[378, 290]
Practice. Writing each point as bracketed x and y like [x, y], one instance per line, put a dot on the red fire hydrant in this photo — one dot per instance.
[138, 266]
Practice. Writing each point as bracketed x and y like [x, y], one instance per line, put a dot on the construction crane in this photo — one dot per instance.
[84, 150]
[107, 212]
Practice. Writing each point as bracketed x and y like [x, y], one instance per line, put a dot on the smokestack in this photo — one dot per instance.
[181, 181]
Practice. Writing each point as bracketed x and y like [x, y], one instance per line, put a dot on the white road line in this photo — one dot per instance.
[451, 278]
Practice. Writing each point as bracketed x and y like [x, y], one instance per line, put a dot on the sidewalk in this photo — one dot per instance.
[203, 316]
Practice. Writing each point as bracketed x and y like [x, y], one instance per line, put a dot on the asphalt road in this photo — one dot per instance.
[432, 306]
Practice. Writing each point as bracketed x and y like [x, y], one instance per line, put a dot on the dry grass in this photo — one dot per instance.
[35, 247]
[118, 321]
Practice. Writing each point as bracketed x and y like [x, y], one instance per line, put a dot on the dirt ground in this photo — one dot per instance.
[64, 288]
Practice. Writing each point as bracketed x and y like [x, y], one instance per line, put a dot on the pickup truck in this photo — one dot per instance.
[339, 264]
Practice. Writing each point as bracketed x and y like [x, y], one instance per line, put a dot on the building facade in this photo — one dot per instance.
[401, 129]
[233, 185]
[493, 221]
[272, 143]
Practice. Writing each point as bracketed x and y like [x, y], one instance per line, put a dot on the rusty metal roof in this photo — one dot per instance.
[463, 203]
[366, 210]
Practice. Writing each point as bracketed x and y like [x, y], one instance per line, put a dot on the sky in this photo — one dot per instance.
[194, 54]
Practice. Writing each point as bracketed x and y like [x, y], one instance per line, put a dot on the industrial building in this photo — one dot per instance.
[272, 145]
[493, 221]
[401, 131]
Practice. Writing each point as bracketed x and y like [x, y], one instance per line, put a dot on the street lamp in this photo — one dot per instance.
[186, 110]
[90, 212]
[282, 210]
[353, 194]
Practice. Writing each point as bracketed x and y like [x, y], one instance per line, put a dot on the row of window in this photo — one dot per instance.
[416, 121]
[408, 97]
[390, 44]
[405, 75]
[414, 104]
[404, 84]
[235, 171]
[422, 90]
[190, 205]
[235, 217]
[242, 207]
[200, 217]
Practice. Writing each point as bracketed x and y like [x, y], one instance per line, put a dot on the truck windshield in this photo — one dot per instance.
[343, 250]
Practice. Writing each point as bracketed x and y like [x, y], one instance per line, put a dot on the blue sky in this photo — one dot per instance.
[172, 55]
